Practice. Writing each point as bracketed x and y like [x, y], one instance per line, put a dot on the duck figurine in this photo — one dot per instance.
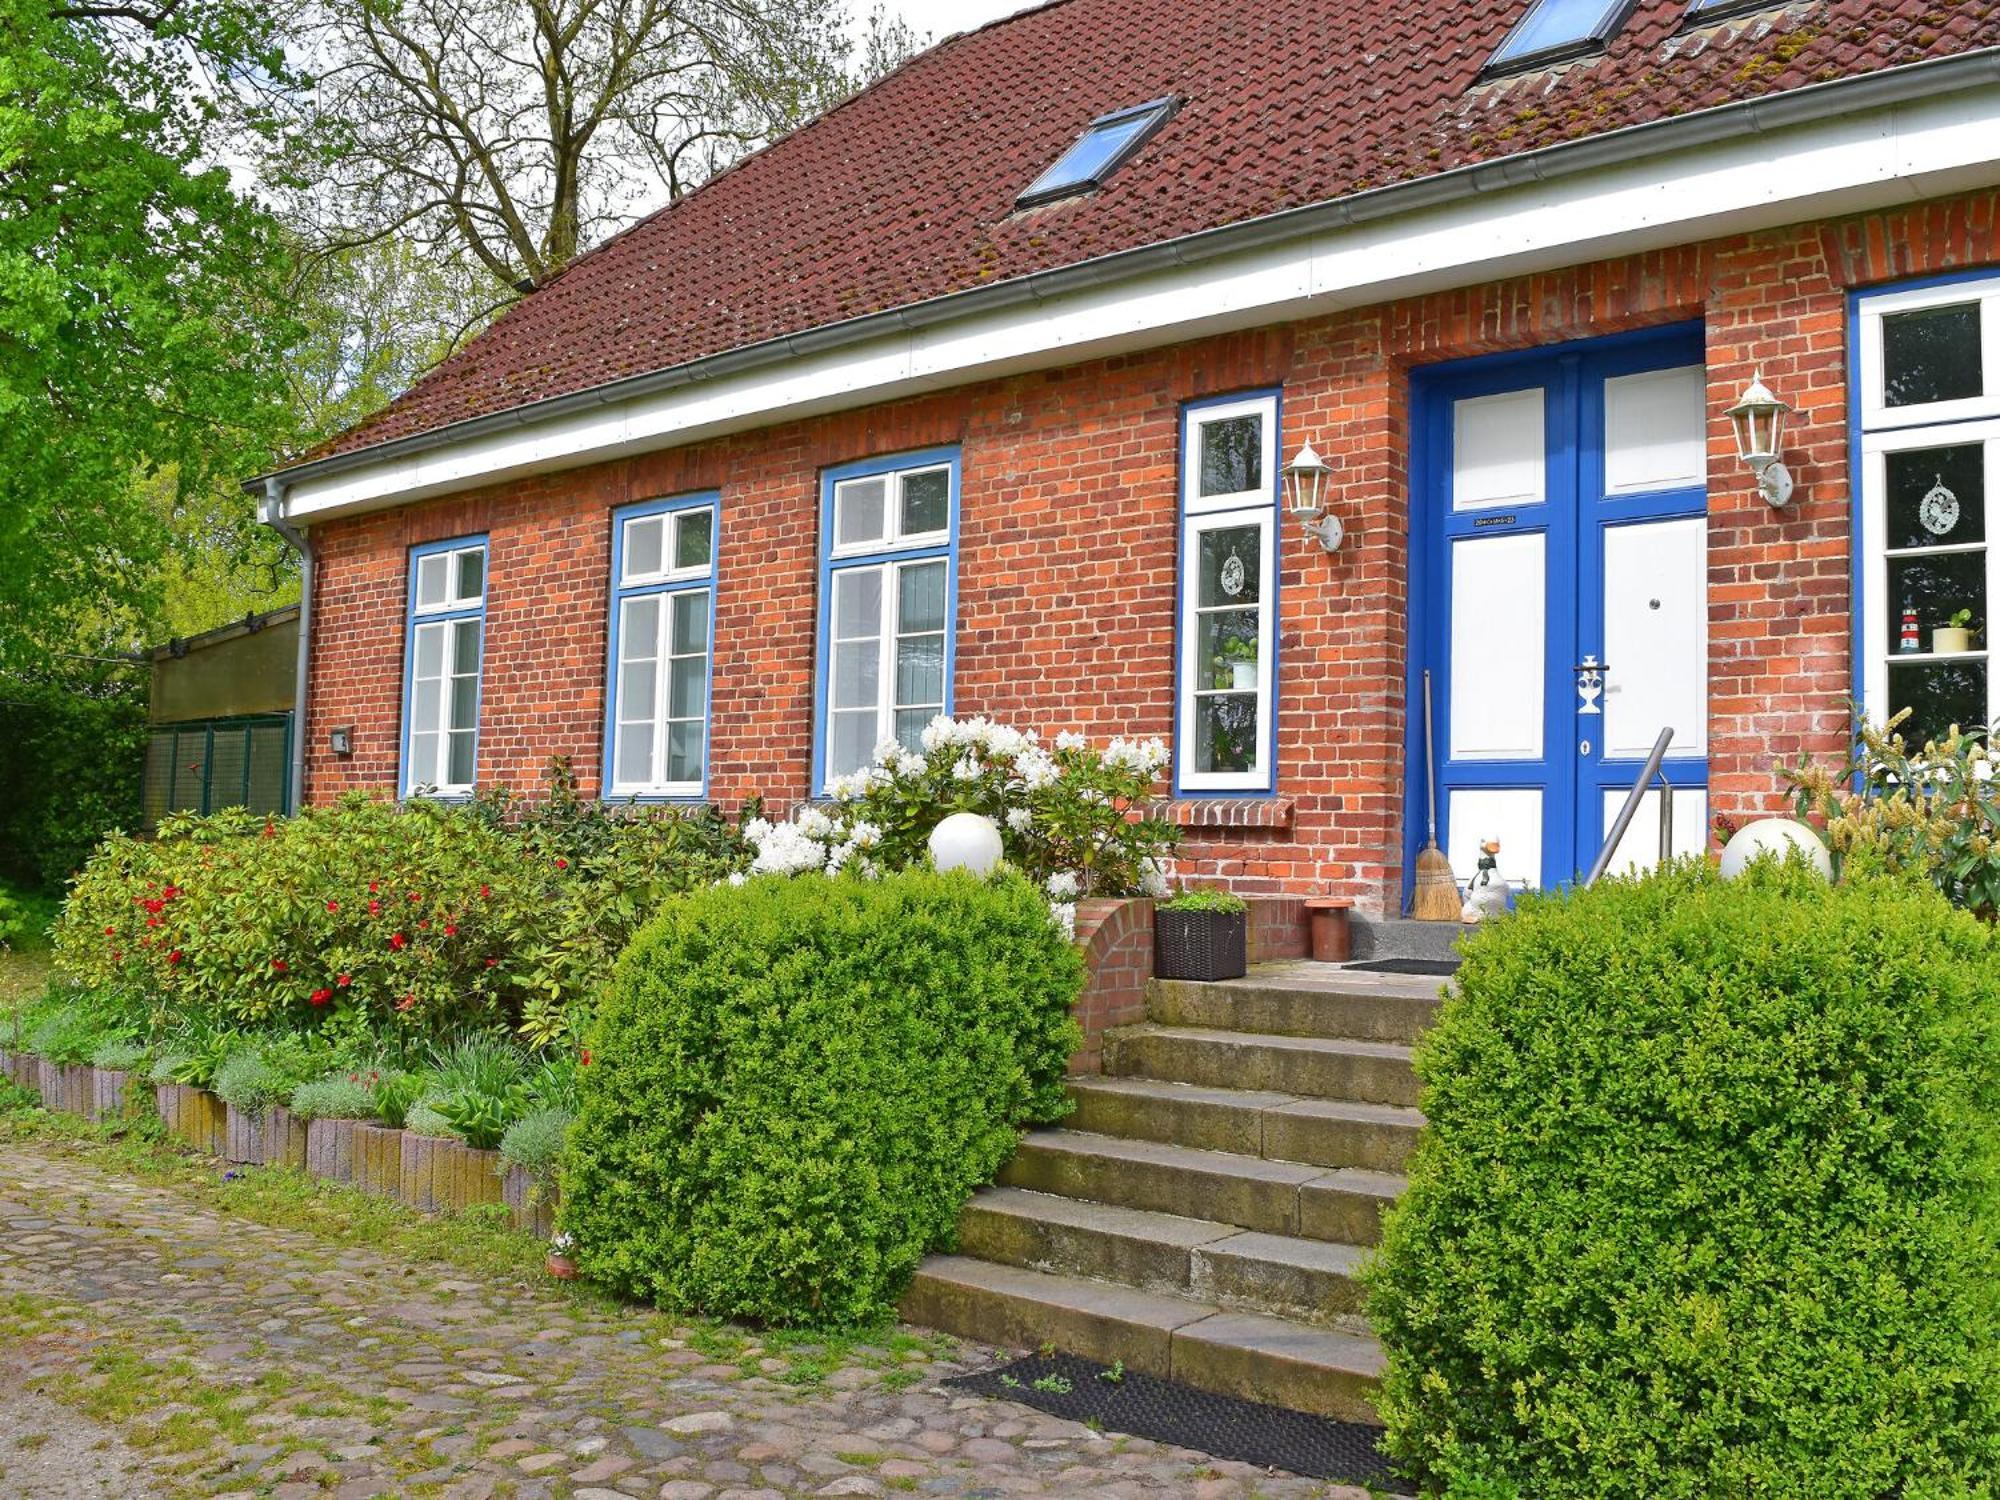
[1487, 895]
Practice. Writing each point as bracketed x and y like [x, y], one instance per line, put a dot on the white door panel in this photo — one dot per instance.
[1656, 636]
[1498, 599]
[1513, 815]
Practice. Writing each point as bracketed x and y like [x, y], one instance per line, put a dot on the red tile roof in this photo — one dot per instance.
[906, 191]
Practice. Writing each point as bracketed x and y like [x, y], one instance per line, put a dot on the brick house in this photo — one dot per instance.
[975, 396]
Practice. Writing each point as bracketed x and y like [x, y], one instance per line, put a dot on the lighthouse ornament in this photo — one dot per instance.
[1487, 895]
[1909, 638]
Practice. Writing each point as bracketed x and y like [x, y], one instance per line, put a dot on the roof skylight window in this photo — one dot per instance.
[1556, 30]
[1709, 10]
[1100, 151]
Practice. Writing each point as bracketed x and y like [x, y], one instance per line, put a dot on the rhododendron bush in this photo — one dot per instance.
[1074, 818]
[423, 918]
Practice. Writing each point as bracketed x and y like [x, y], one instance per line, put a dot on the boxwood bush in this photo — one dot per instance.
[1707, 1201]
[794, 1085]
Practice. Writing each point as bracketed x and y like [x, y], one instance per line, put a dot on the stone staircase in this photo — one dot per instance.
[1203, 1213]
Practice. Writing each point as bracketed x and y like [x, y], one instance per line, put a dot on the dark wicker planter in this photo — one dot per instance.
[530, 1206]
[193, 1115]
[442, 1175]
[1200, 944]
[271, 1137]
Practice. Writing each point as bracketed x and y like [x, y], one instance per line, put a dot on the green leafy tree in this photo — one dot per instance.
[142, 321]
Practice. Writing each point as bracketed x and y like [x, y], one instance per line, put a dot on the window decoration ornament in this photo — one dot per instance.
[1758, 418]
[1939, 509]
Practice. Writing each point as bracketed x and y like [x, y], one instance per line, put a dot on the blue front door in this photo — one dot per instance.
[1560, 600]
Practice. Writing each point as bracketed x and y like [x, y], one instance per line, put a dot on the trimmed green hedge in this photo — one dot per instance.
[796, 1084]
[1707, 1202]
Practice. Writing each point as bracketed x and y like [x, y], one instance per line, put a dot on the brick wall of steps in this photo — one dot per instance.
[1202, 1214]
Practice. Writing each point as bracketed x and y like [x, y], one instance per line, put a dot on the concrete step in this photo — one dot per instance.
[1275, 1274]
[1400, 937]
[1248, 1122]
[1312, 1067]
[1277, 1197]
[1241, 1354]
[1302, 999]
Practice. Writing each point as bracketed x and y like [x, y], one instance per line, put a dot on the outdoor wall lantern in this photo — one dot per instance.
[1759, 420]
[341, 740]
[1305, 495]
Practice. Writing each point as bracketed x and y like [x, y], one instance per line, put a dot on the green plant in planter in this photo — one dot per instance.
[480, 1120]
[249, 1084]
[340, 1096]
[120, 1057]
[423, 1118]
[1205, 900]
[396, 1093]
[535, 1142]
[1233, 650]
[170, 1068]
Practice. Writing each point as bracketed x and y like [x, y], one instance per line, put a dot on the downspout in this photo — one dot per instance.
[272, 513]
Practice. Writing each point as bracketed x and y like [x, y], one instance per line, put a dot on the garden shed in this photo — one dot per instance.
[220, 712]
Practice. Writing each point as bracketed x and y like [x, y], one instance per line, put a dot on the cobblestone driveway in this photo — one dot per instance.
[247, 1360]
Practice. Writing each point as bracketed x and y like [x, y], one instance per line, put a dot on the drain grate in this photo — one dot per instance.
[1442, 966]
[1273, 1437]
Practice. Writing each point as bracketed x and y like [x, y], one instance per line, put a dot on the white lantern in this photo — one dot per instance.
[1305, 479]
[1775, 836]
[1758, 418]
[966, 841]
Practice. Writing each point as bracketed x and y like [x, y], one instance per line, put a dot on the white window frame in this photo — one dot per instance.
[1193, 420]
[664, 585]
[893, 536]
[445, 616]
[1202, 513]
[891, 555]
[1876, 414]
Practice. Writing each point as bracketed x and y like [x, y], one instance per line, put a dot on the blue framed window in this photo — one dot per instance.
[1555, 30]
[888, 605]
[444, 648]
[662, 648]
[1228, 637]
[1105, 146]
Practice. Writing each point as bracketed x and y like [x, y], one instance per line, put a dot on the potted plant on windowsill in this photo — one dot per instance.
[1201, 935]
[1955, 638]
[1236, 665]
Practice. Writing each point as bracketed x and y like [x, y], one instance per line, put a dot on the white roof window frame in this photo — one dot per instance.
[1141, 122]
[1516, 54]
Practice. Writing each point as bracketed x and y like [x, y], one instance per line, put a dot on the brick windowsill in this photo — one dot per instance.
[1227, 812]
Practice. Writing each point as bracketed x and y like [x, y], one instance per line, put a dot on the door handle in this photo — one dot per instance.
[1590, 684]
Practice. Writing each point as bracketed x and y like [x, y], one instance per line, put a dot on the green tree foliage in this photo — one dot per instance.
[794, 1086]
[70, 758]
[141, 323]
[1706, 1203]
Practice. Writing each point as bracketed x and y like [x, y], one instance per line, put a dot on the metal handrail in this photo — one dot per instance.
[1632, 799]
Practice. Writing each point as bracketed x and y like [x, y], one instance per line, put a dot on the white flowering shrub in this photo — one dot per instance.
[1073, 818]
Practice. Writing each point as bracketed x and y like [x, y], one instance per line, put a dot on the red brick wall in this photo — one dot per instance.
[1068, 544]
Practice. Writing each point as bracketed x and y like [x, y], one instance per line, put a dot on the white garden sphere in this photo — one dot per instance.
[966, 841]
[1773, 836]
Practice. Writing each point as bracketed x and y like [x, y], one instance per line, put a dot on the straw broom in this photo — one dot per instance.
[1436, 897]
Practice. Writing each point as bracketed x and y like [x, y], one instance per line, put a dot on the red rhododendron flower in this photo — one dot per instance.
[174, 957]
[585, 1059]
[374, 886]
[398, 941]
[116, 955]
[414, 897]
[152, 921]
[333, 906]
[451, 929]
[492, 963]
[485, 891]
[424, 926]
[171, 892]
[562, 864]
[270, 831]
[374, 908]
[406, 1003]
[344, 980]
[279, 966]
[111, 932]
[156, 907]
[321, 996]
